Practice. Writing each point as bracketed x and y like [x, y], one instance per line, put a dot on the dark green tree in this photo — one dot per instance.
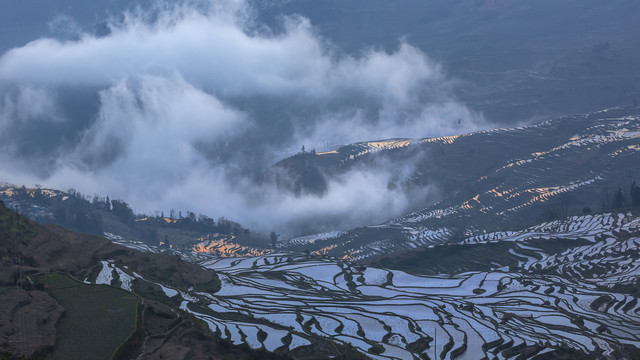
[273, 237]
[618, 199]
[122, 210]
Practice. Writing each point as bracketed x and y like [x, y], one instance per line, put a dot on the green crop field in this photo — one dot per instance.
[97, 320]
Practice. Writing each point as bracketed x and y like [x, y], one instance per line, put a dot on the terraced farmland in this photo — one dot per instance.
[568, 299]
[491, 180]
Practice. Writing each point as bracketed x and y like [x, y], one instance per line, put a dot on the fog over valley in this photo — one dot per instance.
[183, 105]
[320, 179]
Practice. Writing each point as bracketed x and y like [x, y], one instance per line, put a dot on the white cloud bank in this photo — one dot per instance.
[192, 77]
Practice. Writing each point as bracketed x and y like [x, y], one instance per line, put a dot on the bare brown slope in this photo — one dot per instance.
[27, 314]
[45, 248]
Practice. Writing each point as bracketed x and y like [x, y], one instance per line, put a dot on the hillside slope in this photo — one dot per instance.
[487, 181]
[70, 295]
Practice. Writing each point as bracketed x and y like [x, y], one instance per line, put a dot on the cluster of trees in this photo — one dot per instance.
[188, 220]
[620, 199]
[195, 222]
[273, 238]
[304, 151]
[88, 214]
[74, 213]
[118, 208]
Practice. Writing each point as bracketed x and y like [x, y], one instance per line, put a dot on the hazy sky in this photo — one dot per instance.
[177, 105]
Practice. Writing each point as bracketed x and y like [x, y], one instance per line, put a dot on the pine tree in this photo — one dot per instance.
[618, 199]
[274, 238]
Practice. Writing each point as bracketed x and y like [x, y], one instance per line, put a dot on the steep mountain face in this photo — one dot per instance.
[487, 181]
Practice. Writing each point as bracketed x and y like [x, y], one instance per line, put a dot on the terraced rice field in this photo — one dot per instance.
[565, 284]
[549, 300]
[511, 182]
[569, 289]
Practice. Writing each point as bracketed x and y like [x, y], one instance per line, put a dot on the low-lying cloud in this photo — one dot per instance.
[190, 102]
